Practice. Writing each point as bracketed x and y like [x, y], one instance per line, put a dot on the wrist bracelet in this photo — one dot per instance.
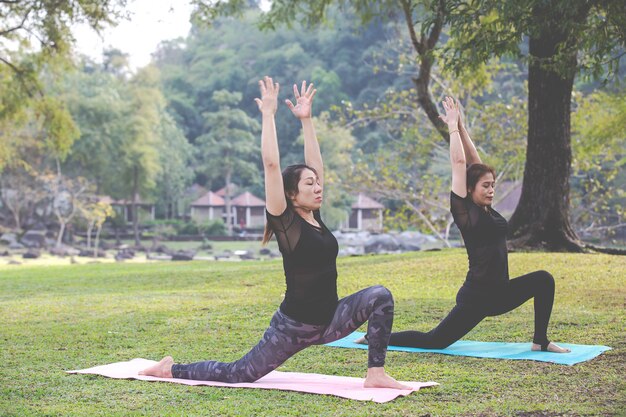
[453, 131]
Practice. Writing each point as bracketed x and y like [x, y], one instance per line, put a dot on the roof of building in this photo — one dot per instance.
[247, 199]
[222, 191]
[210, 199]
[364, 202]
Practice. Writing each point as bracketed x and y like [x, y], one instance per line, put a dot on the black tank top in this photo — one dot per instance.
[309, 259]
[484, 233]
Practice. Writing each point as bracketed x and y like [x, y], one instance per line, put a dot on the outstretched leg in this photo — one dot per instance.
[284, 338]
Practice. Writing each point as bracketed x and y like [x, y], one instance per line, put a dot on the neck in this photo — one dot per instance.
[305, 213]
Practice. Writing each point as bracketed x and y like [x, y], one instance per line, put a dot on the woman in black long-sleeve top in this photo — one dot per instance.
[311, 313]
[487, 290]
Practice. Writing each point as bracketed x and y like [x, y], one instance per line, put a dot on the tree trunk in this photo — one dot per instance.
[134, 205]
[424, 46]
[61, 232]
[89, 229]
[541, 219]
[229, 221]
[97, 241]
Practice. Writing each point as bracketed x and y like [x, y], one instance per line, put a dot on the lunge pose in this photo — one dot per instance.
[487, 290]
[311, 313]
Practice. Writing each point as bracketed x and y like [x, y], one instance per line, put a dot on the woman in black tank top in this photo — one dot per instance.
[487, 290]
[311, 313]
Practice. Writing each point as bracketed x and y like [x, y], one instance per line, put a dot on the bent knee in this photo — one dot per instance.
[546, 278]
[382, 293]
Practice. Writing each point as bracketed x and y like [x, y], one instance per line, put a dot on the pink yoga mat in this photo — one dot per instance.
[340, 386]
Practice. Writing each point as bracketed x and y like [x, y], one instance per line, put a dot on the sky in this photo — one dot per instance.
[151, 21]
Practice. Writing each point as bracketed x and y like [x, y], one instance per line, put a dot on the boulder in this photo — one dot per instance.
[34, 239]
[183, 256]
[381, 244]
[31, 254]
[8, 238]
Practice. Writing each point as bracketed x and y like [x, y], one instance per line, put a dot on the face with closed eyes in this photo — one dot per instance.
[484, 191]
[309, 195]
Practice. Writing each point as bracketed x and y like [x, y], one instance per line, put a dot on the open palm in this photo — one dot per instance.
[304, 101]
[452, 112]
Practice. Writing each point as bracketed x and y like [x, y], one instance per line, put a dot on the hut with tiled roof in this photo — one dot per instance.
[248, 211]
[208, 207]
[366, 214]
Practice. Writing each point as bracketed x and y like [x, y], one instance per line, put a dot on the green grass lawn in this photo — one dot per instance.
[59, 318]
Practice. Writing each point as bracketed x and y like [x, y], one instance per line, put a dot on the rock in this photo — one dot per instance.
[34, 239]
[124, 254]
[31, 254]
[247, 255]
[381, 244]
[8, 238]
[161, 249]
[14, 262]
[183, 256]
[265, 251]
[16, 245]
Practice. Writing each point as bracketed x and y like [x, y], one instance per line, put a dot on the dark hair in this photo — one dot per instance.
[475, 171]
[291, 178]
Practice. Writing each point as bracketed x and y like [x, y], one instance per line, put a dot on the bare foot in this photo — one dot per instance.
[163, 369]
[552, 347]
[378, 378]
[361, 340]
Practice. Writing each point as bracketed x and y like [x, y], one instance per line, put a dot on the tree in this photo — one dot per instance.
[139, 153]
[41, 30]
[95, 212]
[67, 198]
[176, 171]
[336, 144]
[564, 37]
[229, 145]
[599, 164]
[424, 21]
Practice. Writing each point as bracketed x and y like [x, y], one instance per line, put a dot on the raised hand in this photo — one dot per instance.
[268, 103]
[451, 118]
[304, 101]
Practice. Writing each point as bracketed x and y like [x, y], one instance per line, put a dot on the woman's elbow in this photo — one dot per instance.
[270, 163]
[458, 161]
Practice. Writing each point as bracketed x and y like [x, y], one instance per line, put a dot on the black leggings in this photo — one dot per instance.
[285, 337]
[473, 306]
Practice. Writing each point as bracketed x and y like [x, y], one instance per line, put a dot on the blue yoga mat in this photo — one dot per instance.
[494, 350]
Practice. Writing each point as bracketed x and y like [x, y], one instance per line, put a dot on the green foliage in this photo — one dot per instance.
[221, 57]
[41, 32]
[599, 164]
[78, 316]
[594, 30]
[336, 143]
[229, 147]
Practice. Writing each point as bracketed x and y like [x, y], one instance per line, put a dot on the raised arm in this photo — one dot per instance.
[303, 110]
[468, 146]
[274, 192]
[457, 155]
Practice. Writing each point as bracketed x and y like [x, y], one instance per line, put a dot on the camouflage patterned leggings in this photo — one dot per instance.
[285, 337]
